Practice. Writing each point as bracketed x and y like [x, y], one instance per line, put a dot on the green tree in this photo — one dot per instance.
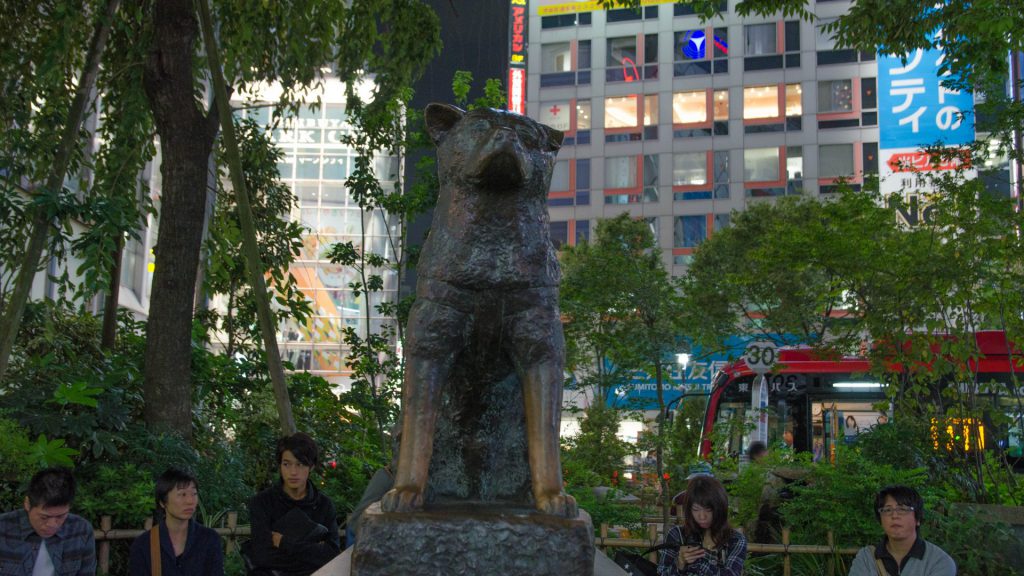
[621, 305]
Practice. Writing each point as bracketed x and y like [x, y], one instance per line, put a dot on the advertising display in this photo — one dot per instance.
[517, 34]
[916, 111]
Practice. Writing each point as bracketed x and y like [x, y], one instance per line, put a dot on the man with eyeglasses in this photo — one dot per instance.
[45, 539]
[901, 552]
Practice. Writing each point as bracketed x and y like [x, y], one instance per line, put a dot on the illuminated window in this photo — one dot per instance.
[620, 172]
[760, 102]
[794, 162]
[794, 105]
[760, 39]
[651, 110]
[691, 107]
[835, 96]
[720, 105]
[761, 164]
[556, 57]
[689, 169]
[835, 160]
[620, 112]
[583, 114]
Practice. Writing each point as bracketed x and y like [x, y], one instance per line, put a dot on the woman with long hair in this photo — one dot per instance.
[706, 544]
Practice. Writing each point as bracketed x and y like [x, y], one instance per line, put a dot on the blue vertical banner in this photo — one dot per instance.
[914, 109]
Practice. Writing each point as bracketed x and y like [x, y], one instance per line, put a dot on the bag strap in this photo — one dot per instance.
[663, 546]
[154, 551]
[878, 562]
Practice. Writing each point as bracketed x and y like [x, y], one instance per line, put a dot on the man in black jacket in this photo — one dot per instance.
[294, 526]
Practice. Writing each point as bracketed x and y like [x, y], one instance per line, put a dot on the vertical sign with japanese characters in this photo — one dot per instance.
[517, 23]
[916, 111]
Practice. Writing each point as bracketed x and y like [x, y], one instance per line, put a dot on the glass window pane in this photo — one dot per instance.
[690, 231]
[621, 52]
[721, 42]
[651, 170]
[555, 114]
[794, 162]
[651, 49]
[583, 114]
[760, 102]
[560, 176]
[690, 169]
[760, 164]
[720, 105]
[651, 110]
[835, 160]
[688, 107]
[824, 38]
[794, 105]
[583, 56]
[620, 172]
[555, 57]
[760, 39]
[690, 45]
[835, 96]
[620, 112]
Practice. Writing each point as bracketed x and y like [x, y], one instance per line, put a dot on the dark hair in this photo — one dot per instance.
[51, 487]
[171, 478]
[707, 492]
[904, 496]
[302, 446]
[757, 448]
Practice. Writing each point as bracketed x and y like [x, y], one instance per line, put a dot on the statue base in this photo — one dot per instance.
[467, 539]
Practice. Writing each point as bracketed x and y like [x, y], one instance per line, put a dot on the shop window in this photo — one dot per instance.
[690, 231]
[760, 102]
[689, 169]
[835, 161]
[761, 164]
[835, 96]
[689, 107]
[690, 113]
[560, 177]
[701, 51]
[771, 46]
[621, 112]
[620, 172]
[566, 20]
[621, 60]
[583, 122]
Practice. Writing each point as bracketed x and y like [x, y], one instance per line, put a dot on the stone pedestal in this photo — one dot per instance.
[466, 539]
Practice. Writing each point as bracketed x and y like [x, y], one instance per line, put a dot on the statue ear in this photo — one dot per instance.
[439, 119]
[554, 138]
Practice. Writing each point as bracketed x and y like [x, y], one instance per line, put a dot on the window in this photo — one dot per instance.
[651, 110]
[651, 49]
[582, 115]
[760, 102]
[560, 177]
[583, 55]
[555, 57]
[823, 38]
[721, 222]
[556, 115]
[689, 169]
[650, 178]
[794, 104]
[835, 161]
[620, 172]
[794, 163]
[721, 159]
[690, 231]
[835, 96]
[621, 60]
[559, 234]
[701, 51]
[690, 107]
[620, 112]
[761, 164]
[583, 182]
[870, 155]
[565, 20]
[760, 39]
[720, 105]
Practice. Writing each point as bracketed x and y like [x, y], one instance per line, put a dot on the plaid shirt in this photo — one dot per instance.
[72, 549]
[724, 561]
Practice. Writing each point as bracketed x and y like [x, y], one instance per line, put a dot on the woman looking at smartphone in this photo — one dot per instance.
[707, 545]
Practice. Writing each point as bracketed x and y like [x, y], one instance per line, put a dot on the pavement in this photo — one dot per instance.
[341, 566]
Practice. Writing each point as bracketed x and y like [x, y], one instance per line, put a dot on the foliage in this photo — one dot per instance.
[122, 491]
[683, 440]
[597, 447]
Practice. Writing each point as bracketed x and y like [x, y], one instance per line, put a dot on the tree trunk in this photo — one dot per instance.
[666, 498]
[110, 309]
[186, 133]
[11, 320]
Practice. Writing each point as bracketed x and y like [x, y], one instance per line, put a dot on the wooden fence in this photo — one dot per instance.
[232, 531]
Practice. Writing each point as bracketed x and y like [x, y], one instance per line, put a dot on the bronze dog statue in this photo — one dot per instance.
[487, 267]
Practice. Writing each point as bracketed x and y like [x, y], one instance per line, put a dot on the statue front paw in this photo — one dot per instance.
[402, 500]
[560, 504]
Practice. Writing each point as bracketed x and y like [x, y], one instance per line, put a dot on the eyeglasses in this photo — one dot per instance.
[895, 510]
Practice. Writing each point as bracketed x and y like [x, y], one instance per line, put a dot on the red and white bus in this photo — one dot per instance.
[813, 404]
